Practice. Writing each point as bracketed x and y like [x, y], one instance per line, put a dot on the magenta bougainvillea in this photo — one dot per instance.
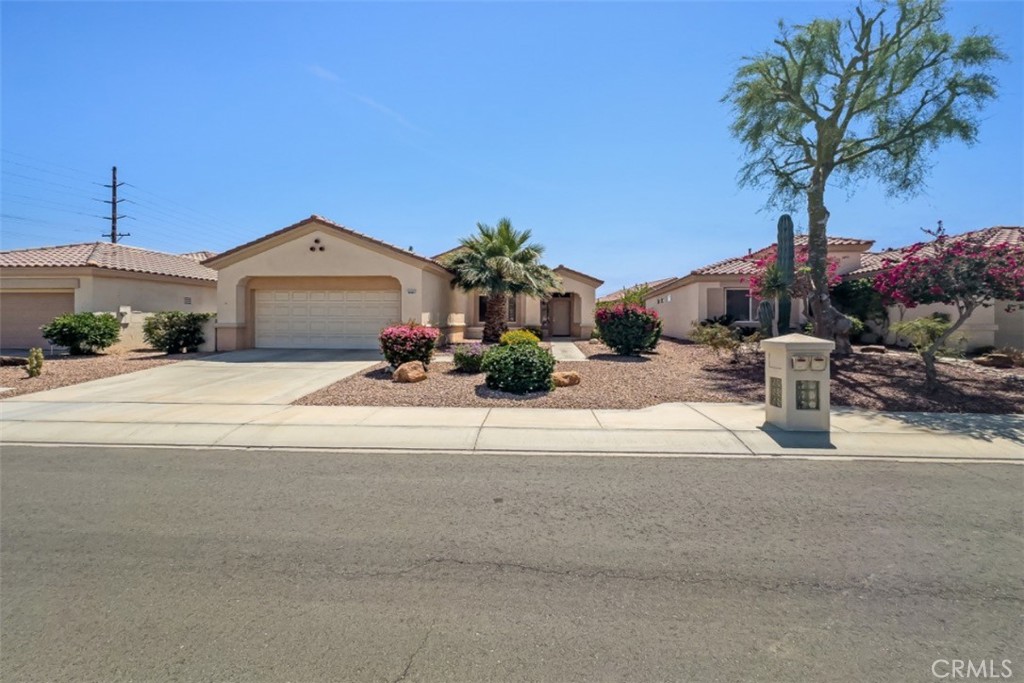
[628, 329]
[801, 276]
[965, 273]
[404, 343]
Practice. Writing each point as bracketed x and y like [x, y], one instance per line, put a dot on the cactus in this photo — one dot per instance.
[785, 262]
[34, 367]
[766, 316]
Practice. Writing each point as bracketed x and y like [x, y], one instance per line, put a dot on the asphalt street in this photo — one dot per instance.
[122, 564]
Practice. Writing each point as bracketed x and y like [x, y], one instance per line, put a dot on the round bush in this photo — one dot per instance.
[519, 337]
[174, 331]
[519, 368]
[469, 357]
[404, 343]
[628, 329]
[83, 333]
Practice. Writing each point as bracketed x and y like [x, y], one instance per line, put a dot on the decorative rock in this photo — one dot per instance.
[872, 349]
[410, 372]
[13, 360]
[995, 360]
[565, 379]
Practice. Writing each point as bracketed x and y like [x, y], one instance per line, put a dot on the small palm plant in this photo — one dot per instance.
[774, 287]
[499, 262]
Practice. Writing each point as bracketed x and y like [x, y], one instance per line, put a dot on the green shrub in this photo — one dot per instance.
[537, 332]
[923, 332]
[35, 363]
[408, 342]
[519, 368]
[513, 337]
[628, 329]
[174, 331]
[83, 333]
[857, 327]
[719, 338]
[469, 357]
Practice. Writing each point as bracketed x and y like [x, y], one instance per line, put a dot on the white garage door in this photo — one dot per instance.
[315, 319]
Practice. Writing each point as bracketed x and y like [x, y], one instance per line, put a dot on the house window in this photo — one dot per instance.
[737, 304]
[510, 309]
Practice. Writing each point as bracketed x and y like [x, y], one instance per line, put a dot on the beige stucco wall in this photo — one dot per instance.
[424, 295]
[1010, 324]
[583, 305]
[130, 297]
[678, 309]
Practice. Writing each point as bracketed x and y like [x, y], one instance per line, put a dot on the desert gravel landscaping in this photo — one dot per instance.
[683, 372]
[62, 371]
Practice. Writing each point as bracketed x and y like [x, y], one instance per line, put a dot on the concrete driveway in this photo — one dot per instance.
[250, 377]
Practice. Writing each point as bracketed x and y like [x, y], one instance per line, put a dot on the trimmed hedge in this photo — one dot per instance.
[174, 331]
[519, 368]
[519, 337]
[404, 343]
[83, 333]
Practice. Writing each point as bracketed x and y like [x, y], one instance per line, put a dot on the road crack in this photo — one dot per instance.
[419, 648]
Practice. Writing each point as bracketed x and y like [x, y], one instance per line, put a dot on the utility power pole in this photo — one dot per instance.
[113, 201]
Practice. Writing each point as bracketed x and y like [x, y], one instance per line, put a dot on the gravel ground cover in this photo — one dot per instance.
[62, 371]
[681, 371]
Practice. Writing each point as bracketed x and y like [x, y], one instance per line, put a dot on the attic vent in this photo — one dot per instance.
[188, 301]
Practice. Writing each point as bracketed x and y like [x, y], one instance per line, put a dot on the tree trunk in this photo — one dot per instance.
[495, 324]
[775, 319]
[931, 375]
[817, 256]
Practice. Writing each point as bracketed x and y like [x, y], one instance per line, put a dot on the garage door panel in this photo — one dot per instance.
[22, 314]
[323, 318]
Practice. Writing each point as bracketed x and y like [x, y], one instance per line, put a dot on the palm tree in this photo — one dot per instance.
[773, 286]
[500, 262]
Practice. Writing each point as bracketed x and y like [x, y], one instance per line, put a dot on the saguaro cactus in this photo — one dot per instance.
[785, 261]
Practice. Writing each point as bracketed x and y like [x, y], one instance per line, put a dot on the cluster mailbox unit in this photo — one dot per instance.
[796, 382]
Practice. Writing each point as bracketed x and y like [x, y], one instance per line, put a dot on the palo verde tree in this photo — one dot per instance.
[837, 101]
[499, 262]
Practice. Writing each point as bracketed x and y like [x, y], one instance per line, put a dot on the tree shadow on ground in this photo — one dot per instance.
[616, 358]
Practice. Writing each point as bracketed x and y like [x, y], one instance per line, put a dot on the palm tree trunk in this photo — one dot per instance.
[495, 324]
[775, 318]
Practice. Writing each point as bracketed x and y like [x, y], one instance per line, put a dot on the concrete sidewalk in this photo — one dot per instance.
[726, 429]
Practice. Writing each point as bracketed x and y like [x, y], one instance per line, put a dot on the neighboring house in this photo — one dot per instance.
[723, 288]
[992, 326]
[318, 284]
[37, 285]
[616, 296]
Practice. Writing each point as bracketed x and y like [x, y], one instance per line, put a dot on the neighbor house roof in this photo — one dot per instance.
[618, 294]
[110, 257]
[872, 263]
[329, 224]
[198, 255]
[747, 264]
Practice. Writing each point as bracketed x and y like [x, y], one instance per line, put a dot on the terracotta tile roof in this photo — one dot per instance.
[617, 294]
[745, 265]
[331, 224]
[875, 262]
[110, 257]
[198, 255]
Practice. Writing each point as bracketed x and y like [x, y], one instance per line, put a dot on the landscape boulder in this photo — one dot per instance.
[872, 349]
[410, 372]
[995, 360]
[565, 379]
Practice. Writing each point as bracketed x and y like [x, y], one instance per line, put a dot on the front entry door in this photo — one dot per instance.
[561, 317]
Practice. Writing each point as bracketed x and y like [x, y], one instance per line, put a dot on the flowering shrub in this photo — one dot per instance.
[801, 286]
[519, 368]
[469, 357]
[628, 329]
[518, 337]
[964, 273]
[403, 343]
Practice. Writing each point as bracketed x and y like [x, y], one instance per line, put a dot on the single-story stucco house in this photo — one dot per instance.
[318, 284]
[990, 326]
[616, 296]
[722, 288]
[37, 285]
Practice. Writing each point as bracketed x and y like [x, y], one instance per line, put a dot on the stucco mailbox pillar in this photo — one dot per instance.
[796, 382]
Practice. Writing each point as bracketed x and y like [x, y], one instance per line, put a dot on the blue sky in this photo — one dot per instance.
[596, 125]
